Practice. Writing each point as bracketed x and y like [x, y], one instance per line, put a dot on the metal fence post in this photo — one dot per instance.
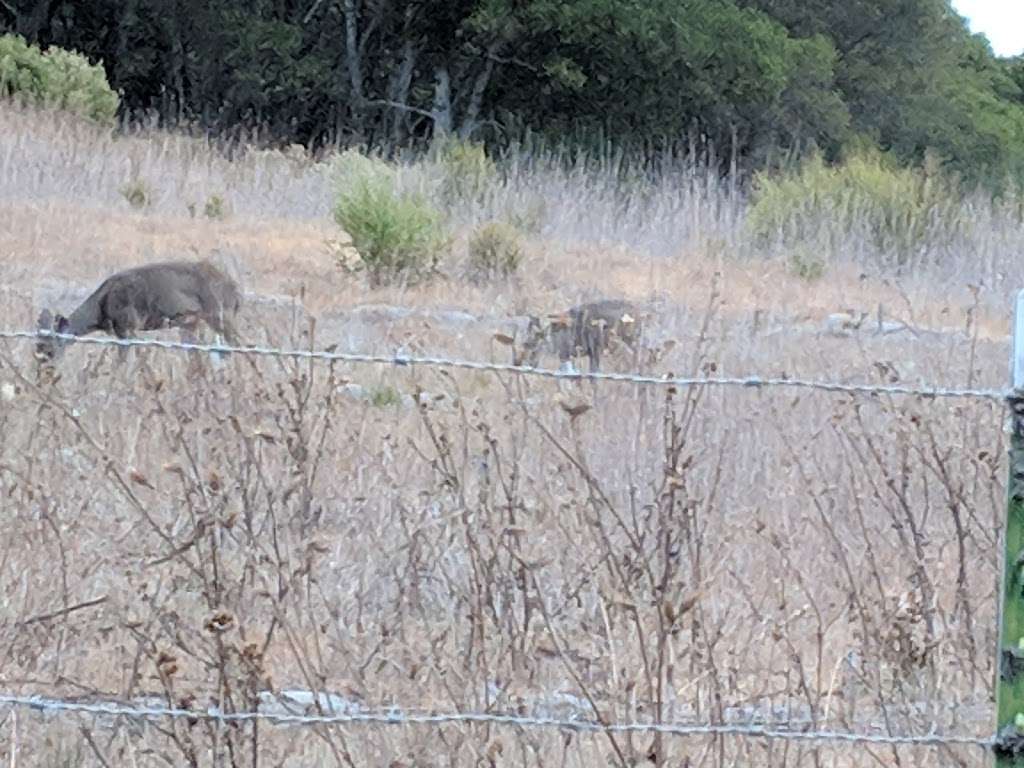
[1009, 748]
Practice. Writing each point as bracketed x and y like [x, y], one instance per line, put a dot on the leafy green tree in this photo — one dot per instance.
[653, 71]
[1014, 69]
[754, 77]
[915, 80]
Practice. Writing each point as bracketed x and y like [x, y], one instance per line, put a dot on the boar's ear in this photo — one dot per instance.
[61, 324]
[503, 338]
[45, 321]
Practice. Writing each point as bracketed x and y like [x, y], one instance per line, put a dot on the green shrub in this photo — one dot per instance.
[215, 208]
[467, 169]
[22, 69]
[137, 193]
[384, 395]
[396, 232]
[896, 210]
[55, 78]
[495, 249]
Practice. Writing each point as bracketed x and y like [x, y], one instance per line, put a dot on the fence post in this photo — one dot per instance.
[1009, 748]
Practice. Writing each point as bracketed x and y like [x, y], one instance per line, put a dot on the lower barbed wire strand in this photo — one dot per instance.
[400, 717]
[444, 362]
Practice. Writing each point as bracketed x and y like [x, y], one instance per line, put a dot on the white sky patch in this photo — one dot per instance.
[1001, 21]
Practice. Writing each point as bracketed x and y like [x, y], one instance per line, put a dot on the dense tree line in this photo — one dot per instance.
[763, 78]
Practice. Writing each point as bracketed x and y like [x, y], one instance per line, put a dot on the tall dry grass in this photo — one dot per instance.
[508, 545]
[599, 226]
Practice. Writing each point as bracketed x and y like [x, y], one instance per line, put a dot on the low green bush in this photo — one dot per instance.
[384, 396]
[215, 208]
[897, 211]
[55, 78]
[397, 232]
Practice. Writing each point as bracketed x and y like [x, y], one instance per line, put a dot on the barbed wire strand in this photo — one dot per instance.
[400, 717]
[523, 370]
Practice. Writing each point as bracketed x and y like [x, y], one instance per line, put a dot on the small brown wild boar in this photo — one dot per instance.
[587, 329]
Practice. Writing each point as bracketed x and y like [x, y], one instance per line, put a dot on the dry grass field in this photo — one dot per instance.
[786, 557]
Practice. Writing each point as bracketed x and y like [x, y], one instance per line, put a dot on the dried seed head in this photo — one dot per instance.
[138, 478]
[166, 664]
[220, 621]
[214, 482]
[574, 409]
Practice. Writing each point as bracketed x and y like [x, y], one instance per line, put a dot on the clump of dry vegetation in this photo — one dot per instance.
[495, 250]
[321, 538]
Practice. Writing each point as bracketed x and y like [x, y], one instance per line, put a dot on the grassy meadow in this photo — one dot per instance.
[510, 544]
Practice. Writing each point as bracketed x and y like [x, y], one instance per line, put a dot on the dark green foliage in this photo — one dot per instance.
[914, 79]
[55, 78]
[754, 79]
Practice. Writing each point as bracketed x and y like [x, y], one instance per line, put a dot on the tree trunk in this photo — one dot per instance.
[129, 18]
[442, 109]
[398, 92]
[354, 65]
[177, 62]
[476, 98]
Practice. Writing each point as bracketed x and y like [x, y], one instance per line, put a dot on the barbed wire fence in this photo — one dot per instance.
[803, 732]
[401, 717]
[398, 359]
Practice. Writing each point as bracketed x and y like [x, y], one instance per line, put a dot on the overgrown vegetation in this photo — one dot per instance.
[495, 250]
[395, 229]
[335, 549]
[55, 78]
